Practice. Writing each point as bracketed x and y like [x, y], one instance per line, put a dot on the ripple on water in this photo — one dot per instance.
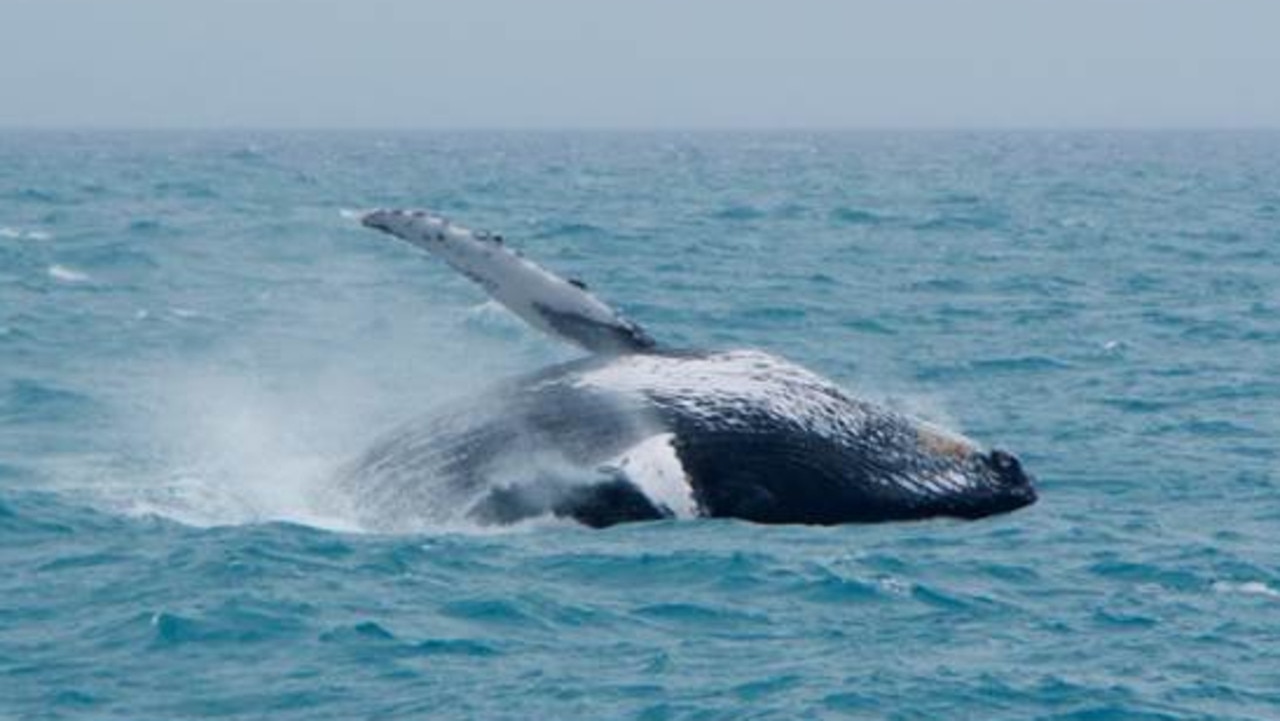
[848, 215]
[29, 400]
[742, 212]
[230, 623]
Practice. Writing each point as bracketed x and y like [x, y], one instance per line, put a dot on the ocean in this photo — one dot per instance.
[195, 332]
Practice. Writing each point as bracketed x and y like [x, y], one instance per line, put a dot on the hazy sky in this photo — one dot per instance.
[656, 63]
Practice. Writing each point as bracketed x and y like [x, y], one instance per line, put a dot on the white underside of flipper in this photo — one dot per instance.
[554, 305]
[653, 467]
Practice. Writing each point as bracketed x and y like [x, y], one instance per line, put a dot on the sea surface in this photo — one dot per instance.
[194, 332]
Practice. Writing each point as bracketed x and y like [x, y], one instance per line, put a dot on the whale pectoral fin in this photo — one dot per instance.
[609, 502]
[560, 307]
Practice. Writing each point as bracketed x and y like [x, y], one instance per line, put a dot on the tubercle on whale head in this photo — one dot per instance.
[1001, 484]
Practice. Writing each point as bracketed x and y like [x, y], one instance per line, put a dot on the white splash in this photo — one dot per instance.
[67, 275]
[1248, 588]
[12, 233]
[230, 454]
[493, 316]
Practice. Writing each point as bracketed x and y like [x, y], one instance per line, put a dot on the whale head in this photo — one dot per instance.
[962, 478]
[1006, 486]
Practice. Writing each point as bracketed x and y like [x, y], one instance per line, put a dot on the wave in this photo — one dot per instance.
[12, 233]
[739, 213]
[987, 220]
[29, 400]
[569, 229]
[188, 189]
[847, 215]
[38, 196]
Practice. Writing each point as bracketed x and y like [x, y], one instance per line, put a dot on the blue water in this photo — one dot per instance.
[192, 331]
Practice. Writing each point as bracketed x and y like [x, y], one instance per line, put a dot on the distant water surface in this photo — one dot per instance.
[192, 330]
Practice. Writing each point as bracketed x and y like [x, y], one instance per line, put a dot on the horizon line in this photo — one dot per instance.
[622, 129]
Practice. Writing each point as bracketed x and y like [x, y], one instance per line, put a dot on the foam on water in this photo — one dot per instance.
[1251, 588]
[67, 275]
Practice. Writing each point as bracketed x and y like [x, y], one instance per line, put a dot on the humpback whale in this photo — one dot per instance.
[637, 431]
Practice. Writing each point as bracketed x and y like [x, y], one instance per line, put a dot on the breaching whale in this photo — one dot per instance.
[637, 431]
